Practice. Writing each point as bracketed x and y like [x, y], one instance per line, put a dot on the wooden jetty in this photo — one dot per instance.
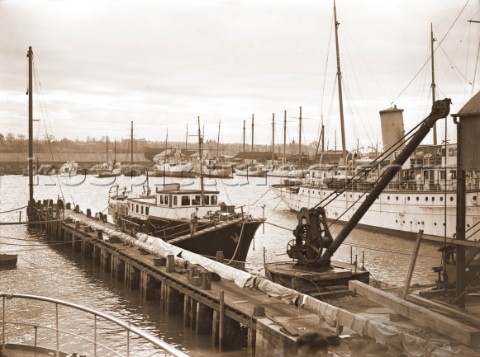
[237, 317]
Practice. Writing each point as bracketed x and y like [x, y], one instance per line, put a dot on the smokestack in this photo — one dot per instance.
[392, 127]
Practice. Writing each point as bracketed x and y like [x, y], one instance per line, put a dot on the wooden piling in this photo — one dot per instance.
[221, 320]
[186, 310]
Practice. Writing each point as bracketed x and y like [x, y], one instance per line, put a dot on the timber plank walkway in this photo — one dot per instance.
[243, 317]
[225, 310]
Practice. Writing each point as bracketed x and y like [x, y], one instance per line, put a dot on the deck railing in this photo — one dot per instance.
[132, 332]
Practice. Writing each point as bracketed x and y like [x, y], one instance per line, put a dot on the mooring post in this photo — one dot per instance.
[206, 279]
[220, 257]
[170, 263]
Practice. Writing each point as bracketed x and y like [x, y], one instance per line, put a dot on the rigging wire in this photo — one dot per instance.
[375, 163]
[429, 58]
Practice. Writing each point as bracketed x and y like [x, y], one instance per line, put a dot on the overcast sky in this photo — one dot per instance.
[101, 64]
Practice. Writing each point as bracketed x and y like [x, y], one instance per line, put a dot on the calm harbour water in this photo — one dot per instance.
[47, 270]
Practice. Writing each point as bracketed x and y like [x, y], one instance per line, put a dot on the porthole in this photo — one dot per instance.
[350, 195]
[474, 198]
[451, 199]
[396, 221]
[426, 198]
[403, 221]
[468, 226]
[433, 199]
[396, 198]
[388, 198]
[408, 198]
[434, 223]
[441, 199]
[418, 198]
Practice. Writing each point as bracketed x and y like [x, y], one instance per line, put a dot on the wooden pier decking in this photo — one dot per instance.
[235, 317]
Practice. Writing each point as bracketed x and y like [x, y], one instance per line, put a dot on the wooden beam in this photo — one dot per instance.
[450, 310]
[465, 243]
[408, 279]
[447, 326]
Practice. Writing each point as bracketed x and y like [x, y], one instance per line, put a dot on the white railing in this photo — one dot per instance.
[132, 332]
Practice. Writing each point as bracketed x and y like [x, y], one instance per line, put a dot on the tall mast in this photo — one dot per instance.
[30, 125]
[253, 126]
[273, 137]
[432, 40]
[131, 142]
[284, 135]
[166, 142]
[186, 141]
[106, 148]
[218, 137]
[244, 135]
[300, 139]
[339, 78]
[200, 154]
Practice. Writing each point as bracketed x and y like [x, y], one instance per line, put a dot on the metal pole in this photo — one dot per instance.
[3, 323]
[432, 39]
[57, 332]
[128, 342]
[460, 269]
[95, 335]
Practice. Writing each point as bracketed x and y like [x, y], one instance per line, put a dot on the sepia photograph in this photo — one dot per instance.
[239, 178]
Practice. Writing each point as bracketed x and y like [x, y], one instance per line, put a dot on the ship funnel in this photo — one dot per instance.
[392, 127]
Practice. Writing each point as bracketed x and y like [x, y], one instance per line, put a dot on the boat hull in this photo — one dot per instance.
[233, 238]
[166, 173]
[8, 260]
[400, 212]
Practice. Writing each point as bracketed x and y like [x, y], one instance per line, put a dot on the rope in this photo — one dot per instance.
[15, 209]
[261, 196]
[238, 244]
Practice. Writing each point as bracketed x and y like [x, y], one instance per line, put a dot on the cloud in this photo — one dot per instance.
[161, 64]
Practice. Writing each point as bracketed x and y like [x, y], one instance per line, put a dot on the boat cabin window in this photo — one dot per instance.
[174, 200]
[185, 200]
[146, 210]
[196, 200]
[141, 209]
[161, 199]
[206, 200]
[213, 202]
[136, 208]
[166, 199]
